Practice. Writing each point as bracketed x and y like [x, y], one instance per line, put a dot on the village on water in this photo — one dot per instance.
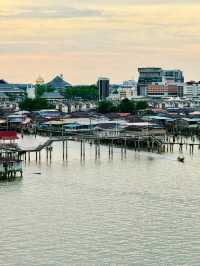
[154, 113]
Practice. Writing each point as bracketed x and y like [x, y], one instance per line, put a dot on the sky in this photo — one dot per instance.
[85, 39]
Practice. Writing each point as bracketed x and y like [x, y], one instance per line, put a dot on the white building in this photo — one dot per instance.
[125, 90]
[31, 93]
[191, 89]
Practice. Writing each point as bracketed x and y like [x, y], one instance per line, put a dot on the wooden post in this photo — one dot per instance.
[84, 150]
[112, 148]
[63, 150]
[125, 146]
[50, 151]
[95, 151]
[81, 149]
[109, 150]
[99, 149]
[66, 150]
[47, 153]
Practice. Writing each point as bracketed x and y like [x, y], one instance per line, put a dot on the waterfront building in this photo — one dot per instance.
[103, 85]
[19, 120]
[10, 164]
[75, 106]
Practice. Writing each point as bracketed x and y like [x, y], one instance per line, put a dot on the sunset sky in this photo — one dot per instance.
[84, 39]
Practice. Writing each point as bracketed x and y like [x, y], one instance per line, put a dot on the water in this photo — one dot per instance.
[142, 210]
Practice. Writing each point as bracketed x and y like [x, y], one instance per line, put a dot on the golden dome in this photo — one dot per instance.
[39, 80]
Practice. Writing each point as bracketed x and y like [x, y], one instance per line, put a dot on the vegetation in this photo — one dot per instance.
[141, 105]
[89, 92]
[35, 104]
[83, 92]
[40, 89]
[107, 107]
[125, 106]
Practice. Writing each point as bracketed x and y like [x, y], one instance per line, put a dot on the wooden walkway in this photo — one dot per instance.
[93, 138]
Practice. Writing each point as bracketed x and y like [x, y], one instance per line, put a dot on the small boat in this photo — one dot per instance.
[181, 159]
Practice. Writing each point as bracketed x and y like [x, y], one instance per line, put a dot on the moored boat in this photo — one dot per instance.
[181, 159]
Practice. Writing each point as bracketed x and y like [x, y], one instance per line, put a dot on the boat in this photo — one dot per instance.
[181, 159]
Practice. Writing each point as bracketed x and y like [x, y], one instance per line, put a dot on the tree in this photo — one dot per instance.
[41, 89]
[126, 106]
[35, 104]
[83, 92]
[106, 107]
[142, 105]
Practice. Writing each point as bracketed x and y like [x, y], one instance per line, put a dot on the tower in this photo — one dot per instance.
[103, 85]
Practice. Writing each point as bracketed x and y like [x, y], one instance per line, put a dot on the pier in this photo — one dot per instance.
[123, 141]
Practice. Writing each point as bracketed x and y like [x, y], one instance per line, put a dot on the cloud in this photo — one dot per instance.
[102, 33]
[49, 13]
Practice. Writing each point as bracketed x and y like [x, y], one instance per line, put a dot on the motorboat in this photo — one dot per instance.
[181, 159]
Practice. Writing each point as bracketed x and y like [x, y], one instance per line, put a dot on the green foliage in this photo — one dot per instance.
[142, 105]
[106, 107]
[83, 92]
[41, 89]
[34, 104]
[125, 106]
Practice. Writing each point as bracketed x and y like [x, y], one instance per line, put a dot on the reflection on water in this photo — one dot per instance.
[140, 210]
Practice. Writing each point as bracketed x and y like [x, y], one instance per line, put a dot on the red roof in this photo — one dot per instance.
[8, 135]
[123, 114]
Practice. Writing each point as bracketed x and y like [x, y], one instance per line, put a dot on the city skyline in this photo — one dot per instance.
[97, 38]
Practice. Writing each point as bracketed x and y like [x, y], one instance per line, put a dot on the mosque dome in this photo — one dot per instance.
[39, 80]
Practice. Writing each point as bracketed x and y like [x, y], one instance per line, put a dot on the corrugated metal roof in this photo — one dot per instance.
[52, 95]
[8, 135]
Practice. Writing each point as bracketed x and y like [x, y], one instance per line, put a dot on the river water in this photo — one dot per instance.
[139, 210]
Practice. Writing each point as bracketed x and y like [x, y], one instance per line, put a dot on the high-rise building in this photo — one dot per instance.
[173, 76]
[148, 76]
[103, 85]
[160, 77]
